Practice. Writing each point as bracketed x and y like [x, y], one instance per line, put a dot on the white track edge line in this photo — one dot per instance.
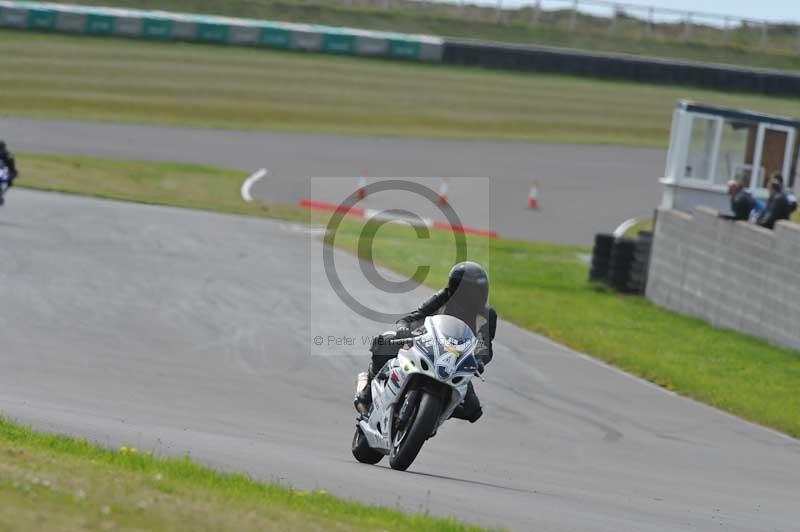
[249, 182]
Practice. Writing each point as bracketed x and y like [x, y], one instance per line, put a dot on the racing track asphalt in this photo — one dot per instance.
[584, 189]
[184, 331]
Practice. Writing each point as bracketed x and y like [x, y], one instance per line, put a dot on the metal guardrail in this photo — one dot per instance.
[166, 26]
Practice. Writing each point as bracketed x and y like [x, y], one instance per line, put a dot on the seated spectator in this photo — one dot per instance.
[791, 197]
[742, 203]
[778, 206]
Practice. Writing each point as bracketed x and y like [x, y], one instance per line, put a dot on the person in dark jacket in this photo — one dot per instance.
[778, 206]
[742, 203]
[789, 196]
[465, 297]
[8, 170]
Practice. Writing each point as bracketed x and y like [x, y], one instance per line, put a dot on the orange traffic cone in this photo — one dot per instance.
[361, 190]
[533, 197]
[443, 192]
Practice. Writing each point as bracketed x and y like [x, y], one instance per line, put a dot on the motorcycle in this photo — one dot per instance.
[416, 392]
[5, 180]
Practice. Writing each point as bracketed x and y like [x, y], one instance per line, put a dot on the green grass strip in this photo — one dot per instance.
[741, 47]
[121, 80]
[54, 482]
[192, 186]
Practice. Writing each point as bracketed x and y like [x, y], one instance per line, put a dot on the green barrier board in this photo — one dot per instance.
[99, 24]
[403, 49]
[41, 19]
[210, 32]
[338, 43]
[158, 25]
[157, 28]
[275, 38]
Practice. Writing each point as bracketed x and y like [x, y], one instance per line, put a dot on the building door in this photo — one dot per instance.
[773, 154]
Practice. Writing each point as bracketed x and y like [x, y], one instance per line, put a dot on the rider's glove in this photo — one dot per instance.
[402, 330]
[481, 367]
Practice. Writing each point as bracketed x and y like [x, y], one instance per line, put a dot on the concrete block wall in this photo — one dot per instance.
[734, 275]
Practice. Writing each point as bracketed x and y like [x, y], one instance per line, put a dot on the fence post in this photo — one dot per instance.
[613, 22]
[537, 11]
[499, 11]
[651, 15]
[726, 31]
[573, 19]
[797, 44]
[763, 43]
[687, 26]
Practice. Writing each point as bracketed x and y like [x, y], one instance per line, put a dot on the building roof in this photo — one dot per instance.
[736, 114]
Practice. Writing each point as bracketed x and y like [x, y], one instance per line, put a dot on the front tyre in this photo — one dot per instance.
[362, 451]
[407, 441]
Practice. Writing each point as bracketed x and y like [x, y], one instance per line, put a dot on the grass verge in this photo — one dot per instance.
[50, 482]
[740, 46]
[209, 86]
[544, 288]
[541, 287]
[182, 185]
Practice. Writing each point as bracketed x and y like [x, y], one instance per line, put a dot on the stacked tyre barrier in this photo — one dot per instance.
[601, 256]
[611, 65]
[621, 263]
[166, 26]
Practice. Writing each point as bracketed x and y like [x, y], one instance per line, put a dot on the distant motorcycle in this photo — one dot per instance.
[5, 180]
[416, 392]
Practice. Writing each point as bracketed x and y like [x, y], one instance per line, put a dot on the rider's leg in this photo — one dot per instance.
[382, 352]
[470, 408]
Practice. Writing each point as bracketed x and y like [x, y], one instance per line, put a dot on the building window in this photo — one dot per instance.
[736, 152]
[701, 149]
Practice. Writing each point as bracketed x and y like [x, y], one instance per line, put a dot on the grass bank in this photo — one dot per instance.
[50, 482]
[205, 86]
[183, 185]
[542, 287]
[740, 46]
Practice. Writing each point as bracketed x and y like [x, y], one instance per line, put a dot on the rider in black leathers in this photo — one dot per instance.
[465, 298]
[7, 161]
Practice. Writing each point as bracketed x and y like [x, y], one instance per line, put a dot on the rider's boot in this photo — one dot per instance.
[470, 408]
[363, 399]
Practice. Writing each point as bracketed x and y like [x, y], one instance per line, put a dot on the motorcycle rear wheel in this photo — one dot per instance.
[362, 451]
[421, 426]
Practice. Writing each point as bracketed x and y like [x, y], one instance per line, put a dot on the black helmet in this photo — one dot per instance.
[468, 283]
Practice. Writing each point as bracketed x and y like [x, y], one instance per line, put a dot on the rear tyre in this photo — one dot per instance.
[407, 442]
[362, 451]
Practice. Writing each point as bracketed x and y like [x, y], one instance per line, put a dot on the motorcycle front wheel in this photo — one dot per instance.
[407, 441]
